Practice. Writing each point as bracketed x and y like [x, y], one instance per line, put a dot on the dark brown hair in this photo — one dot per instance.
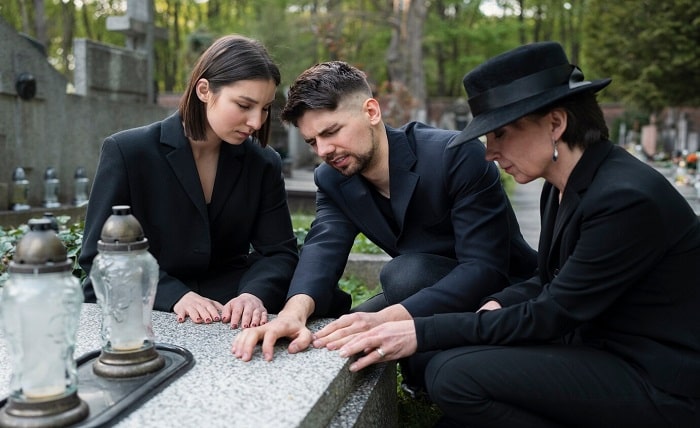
[228, 60]
[323, 87]
[585, 123]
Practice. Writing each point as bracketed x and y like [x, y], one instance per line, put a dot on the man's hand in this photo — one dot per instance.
[341, 331]
[282, 326]
[388, 341]
[290, 323]
[198, 308]
[245, 311]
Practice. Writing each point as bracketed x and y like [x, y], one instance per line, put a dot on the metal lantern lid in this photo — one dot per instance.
[18, 174]
[50, 173]
[40, 250]
[122, 232]
[80, 172]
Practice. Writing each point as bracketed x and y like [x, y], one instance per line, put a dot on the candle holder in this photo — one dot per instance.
[41, 303]
[20, 190]
[80, 187]
[51, 187]
[125, 276]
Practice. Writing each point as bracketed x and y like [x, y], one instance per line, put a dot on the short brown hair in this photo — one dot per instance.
[323, 87]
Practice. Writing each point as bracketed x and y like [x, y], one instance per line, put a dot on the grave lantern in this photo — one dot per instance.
[40, 305]
[80, 187]
[20, 190]
[125, 276]
[51, 187]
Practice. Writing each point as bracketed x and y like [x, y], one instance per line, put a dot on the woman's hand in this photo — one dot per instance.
[491, 305]
[341, 331]
[198, 308]
[245, 311]
[385, 342]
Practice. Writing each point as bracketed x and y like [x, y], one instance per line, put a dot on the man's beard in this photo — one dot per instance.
[362, 160]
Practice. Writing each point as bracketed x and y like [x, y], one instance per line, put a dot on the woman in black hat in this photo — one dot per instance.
[608, 331]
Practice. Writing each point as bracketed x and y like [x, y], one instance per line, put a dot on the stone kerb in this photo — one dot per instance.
[366, 268]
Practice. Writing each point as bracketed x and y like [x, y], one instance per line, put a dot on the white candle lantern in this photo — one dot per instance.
[125, 276]
[41, 303]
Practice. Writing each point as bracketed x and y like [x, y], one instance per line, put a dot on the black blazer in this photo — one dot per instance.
[448, 202]
[618, 270]
[202, 248]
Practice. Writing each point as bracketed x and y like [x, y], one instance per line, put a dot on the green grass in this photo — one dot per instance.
[302, 222]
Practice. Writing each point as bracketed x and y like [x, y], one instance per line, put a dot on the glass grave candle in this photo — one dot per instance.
[125, 276]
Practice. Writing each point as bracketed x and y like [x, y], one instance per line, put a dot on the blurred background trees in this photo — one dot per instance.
[412, 50]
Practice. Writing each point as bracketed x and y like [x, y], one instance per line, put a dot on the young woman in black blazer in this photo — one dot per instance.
[208, 192]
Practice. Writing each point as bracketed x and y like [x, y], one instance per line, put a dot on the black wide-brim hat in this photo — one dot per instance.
[518, 82]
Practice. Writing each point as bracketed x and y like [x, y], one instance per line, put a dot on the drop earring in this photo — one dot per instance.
[555, 155]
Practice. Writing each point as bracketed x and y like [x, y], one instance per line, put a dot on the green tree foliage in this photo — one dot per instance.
[649, 48]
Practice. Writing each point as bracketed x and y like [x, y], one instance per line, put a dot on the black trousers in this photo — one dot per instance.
[405, 275]
[549, 386]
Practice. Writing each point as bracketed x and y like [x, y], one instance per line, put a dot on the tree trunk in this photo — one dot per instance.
[416, 19]
[68, 22]
[40, 23]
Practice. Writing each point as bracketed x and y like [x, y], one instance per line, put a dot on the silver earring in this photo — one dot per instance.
[555, 155]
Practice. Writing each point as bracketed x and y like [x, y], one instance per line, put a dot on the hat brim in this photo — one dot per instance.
[494, 119]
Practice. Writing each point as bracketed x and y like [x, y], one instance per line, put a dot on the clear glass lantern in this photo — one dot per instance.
[80, 187]
[40, 304]
[125, 277]
[20, 190]
[51, 188]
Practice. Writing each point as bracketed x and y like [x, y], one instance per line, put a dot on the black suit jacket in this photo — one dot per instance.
[618, 270]
[445, 202]
[206, 249]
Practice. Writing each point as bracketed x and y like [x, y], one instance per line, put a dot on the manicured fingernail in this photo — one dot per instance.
[234, 326]
[343, 353]
[208, 320]
[245, 325]
[216, 318]
[180, 319]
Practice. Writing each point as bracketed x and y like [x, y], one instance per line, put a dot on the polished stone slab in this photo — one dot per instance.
[307, 389]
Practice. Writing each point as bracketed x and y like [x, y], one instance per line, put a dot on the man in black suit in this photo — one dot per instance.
[442, 215]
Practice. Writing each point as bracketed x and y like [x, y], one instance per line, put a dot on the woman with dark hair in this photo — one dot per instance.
[607, 333]
[208, 192]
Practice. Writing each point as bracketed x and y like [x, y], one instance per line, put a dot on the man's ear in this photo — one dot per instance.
[203, 91]
[373, 110]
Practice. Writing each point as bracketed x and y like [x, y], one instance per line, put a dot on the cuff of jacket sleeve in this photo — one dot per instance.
[425, 333]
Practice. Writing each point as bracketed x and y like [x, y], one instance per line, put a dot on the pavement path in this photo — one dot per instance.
[526, 204]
